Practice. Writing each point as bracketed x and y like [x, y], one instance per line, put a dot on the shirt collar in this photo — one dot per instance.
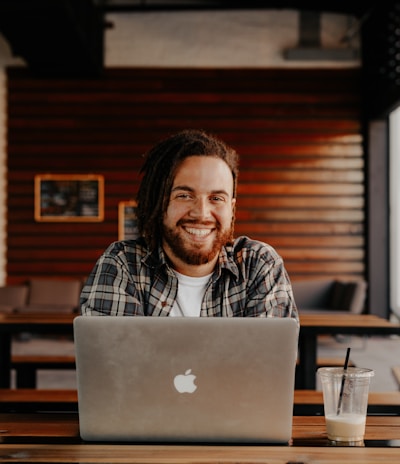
[227, 262]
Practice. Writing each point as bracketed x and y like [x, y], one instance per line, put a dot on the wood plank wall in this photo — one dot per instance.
[298, 132]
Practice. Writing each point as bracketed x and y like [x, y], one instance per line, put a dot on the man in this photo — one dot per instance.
[186, 261]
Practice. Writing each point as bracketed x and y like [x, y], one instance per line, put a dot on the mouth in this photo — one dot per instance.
[198, 233]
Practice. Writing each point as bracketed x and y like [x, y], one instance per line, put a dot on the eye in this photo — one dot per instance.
[217, 198]
[183, 196]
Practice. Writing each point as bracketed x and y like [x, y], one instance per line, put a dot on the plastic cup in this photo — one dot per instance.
[345, 402]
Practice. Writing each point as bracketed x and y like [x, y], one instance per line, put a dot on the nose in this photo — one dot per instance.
[201, 208]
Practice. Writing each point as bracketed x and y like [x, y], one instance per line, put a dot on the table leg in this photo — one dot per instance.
[307, 362]
[5, 360]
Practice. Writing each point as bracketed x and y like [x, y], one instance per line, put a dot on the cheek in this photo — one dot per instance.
[225, 216]
[175, 212]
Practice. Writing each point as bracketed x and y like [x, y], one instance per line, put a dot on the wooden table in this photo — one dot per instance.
[54, 438]
[312, 325]
[141, 454]
[13, 324]
[20, 427]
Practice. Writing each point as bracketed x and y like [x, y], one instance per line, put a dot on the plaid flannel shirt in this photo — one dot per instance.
[249, 280]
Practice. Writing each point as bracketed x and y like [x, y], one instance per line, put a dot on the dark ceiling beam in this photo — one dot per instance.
[55, 37]
[66, 37]
[357, 9]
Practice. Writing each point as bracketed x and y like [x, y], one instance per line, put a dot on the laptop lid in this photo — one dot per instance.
[188, 380]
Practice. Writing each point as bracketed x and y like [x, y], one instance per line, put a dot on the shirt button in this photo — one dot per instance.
[163, 304]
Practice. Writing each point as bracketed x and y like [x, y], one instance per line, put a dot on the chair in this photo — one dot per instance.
[56, 295]
[320, 295]
[13, 296]
[52, 295]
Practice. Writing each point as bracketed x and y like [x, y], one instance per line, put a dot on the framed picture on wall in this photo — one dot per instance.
[69, 198]
[127, 220]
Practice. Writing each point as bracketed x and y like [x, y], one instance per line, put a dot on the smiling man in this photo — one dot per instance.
[198, 220]
[187, 261]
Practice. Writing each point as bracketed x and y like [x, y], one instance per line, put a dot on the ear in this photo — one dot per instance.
[233, 206]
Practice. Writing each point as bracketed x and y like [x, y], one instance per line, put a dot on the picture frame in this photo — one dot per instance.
[69, 198]
[127, 220]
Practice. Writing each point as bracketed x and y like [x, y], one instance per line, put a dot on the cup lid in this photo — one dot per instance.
[350, 372]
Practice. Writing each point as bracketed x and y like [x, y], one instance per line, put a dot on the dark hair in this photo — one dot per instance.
[159, 169]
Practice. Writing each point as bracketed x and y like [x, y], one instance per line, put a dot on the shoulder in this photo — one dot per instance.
[126, 250]
[125, 246]
[245, 248]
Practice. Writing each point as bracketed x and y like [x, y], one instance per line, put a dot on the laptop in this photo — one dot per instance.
[185, 380]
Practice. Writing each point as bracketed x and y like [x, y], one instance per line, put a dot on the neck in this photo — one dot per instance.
[194, 271]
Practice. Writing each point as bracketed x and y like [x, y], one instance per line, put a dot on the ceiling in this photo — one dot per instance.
[67, 36]
[348, 7]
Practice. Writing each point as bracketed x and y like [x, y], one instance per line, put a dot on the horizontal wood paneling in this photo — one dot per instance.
[301, 184]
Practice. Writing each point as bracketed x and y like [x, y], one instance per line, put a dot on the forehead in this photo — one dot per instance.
[203, 172]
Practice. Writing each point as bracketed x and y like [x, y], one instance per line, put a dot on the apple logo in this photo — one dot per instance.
[184, 383]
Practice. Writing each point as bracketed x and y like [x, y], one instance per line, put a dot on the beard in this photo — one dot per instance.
[195, 253]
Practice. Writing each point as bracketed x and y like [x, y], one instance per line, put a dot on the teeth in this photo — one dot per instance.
[198, 232]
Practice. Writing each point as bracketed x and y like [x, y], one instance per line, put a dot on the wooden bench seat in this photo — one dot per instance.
[26, 366]
[332, 362]
[310, 402]
[34, 400]
[306, 402]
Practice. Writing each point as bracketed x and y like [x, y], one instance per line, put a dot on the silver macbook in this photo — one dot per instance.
[185, 380]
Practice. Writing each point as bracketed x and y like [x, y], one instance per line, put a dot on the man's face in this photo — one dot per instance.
[198, 220]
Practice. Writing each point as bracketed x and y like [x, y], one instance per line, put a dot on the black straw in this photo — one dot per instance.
[346, 363]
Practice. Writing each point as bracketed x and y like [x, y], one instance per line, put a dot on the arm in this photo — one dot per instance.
[110, 289]
[268, 288]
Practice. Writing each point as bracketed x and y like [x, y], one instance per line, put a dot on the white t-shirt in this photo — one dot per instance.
[190, 295]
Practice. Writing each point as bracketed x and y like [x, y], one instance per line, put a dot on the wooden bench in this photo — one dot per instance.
[26, 367]
[310, 402]
[306, 402]
[328, 362]
[333, 362]
[34, 400]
